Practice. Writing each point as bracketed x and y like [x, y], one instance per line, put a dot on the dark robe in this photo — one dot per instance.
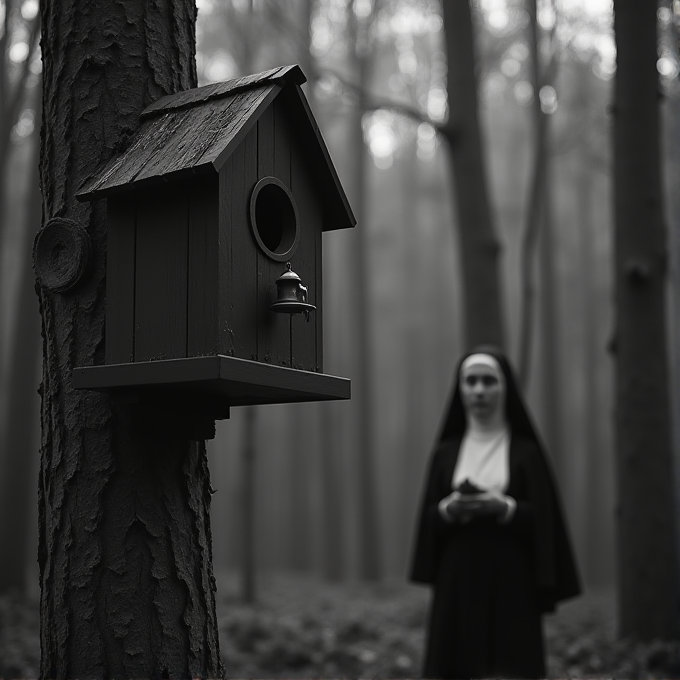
[492, 582]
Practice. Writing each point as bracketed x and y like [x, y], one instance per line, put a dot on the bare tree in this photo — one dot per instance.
[479, 245]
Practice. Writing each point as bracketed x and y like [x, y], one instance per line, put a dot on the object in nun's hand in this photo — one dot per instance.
[467, 488]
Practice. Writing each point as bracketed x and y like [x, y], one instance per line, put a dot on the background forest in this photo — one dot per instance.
[330, 491]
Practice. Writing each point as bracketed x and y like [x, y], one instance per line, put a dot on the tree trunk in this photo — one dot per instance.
[590, 510]
[479, 246]
[248, 580]
[413, 347]
[362, 388]
[538, 213]
[672, 181]
[549, 332]
[647, 560]
[332, 511]
[333, 558]
[125, 555]
[18, 444]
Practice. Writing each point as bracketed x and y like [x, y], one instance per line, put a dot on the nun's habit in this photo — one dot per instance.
[492, 581]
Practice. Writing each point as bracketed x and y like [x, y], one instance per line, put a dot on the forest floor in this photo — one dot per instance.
[301, 627]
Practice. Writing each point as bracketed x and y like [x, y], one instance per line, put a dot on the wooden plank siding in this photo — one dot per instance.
[161, 276]
[204, 280]
[273, 330]
[307, 264]
[238, 256]
[120, 281]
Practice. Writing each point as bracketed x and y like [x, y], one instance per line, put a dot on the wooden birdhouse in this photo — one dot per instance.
[215, 214]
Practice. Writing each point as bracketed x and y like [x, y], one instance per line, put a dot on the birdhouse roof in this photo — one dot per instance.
[196, 130]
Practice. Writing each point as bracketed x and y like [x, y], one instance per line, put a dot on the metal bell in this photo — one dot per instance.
[291, 295]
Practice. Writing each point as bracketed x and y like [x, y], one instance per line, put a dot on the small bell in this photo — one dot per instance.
[291, 295]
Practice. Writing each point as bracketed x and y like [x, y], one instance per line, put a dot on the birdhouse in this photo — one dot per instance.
[215, 216]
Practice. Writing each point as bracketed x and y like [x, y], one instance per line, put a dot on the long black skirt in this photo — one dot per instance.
[485, 619]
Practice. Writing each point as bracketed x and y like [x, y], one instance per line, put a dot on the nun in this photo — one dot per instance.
[491, 539]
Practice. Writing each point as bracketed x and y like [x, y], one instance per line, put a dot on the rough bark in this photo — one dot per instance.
[479, 246]
[127, 589]
[646, 552]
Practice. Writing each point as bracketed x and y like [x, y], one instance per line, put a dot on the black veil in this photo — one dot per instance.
[516, 412]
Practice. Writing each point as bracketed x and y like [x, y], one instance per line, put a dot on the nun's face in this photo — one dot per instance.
[482, 391]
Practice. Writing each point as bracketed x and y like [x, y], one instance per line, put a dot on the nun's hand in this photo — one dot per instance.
[486, 504]
[454, 508]
[458, 507]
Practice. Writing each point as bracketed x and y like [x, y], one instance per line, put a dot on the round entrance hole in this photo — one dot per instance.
[274, 218]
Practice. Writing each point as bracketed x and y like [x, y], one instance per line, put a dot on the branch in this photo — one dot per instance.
[375, 103]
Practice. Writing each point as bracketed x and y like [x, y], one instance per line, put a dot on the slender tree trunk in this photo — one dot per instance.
[13, 84]
[413, 347]
[333, 532]
[299, 479]
[125, 550]
[17, 446]
[672, 181]
[332, 516]
[248, 580]
[649, 601]
[362, 397]
[549, 331]
[250, 450]
[591, 508]
[538, 212]
[479, 246]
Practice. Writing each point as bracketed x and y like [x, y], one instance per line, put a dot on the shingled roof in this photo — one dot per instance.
[196, 130]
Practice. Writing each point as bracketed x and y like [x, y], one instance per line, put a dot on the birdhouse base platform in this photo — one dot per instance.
[212, 383]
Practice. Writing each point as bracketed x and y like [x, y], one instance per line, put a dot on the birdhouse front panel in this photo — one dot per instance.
[270, 215]
[215, 215]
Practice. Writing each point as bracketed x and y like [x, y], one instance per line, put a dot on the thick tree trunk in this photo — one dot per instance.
[479, 246]
[124, 546]
[649, 602]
